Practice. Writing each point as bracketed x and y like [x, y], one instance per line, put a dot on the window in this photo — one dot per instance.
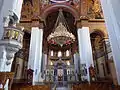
[52, 53]
[67, 53]
[68, 62]
[51, 63]
[59, 53]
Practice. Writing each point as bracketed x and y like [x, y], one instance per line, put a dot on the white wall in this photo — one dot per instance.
[112, 18]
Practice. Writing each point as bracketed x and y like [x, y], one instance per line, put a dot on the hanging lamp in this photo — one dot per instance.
[60, 35]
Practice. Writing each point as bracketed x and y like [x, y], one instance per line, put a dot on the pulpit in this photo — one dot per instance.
[4, 76]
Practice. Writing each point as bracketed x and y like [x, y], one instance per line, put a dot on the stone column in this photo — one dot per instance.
[85, 52]
[112, 18]
[35, 54]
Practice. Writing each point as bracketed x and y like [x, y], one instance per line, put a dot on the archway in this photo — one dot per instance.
[56, 7]
[100, 56]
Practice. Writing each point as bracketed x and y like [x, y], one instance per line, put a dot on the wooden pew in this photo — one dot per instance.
[31, 87]
[95, 86]
[4, 76]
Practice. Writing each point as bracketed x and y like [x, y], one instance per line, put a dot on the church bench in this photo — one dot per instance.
[31, 87]
[94, 86]
[4, 76]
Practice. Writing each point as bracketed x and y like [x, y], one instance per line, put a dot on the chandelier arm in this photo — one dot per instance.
[65, 22]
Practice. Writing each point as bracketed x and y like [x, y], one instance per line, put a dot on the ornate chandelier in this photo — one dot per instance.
[61, 36]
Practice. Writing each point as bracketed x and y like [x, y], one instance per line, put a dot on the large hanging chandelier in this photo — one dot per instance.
[60, 35]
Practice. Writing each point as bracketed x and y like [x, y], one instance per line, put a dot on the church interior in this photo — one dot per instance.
[59, 45]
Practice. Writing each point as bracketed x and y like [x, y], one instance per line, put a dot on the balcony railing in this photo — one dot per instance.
[13, 34]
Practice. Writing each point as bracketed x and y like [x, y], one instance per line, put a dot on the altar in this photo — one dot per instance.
[60, 73]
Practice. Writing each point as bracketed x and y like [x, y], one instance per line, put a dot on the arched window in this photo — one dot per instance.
[51, 63]
[68, 62]
[52, 53]
[67, 53]
[59, 53]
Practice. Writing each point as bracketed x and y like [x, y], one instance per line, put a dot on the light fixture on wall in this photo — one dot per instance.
[60, 35]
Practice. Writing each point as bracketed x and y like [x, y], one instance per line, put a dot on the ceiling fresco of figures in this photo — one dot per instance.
[33, 9]
[93, 7]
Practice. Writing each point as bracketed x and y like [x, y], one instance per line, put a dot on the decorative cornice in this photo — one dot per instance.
[84, 18]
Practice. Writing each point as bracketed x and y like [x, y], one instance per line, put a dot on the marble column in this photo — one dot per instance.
[35, 54]
[85, 52]
[112, 18]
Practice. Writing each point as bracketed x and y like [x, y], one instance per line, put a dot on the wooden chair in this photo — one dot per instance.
[4, 76]
[3, 80]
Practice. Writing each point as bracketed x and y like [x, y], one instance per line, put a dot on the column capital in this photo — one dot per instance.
[37, 23]
[84, 22]
[81, 23]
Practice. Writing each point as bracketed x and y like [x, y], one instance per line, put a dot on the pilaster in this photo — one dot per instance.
[35, 54]
[85, 51]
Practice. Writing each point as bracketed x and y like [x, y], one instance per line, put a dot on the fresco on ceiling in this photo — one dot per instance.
[95, 9]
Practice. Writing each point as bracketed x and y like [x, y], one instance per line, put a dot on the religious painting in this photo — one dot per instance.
[26, 12]
[95, 9]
